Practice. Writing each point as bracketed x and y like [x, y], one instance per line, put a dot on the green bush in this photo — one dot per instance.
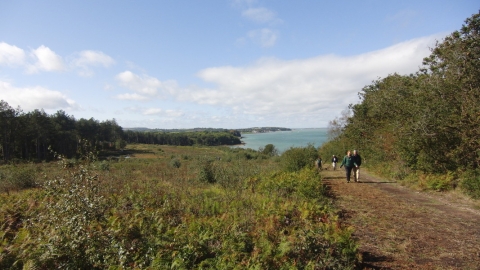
[17, 178]
[105, 166]
[294, 159]
[441, 182]
[175, 163]
[470, 183]
[206, 172]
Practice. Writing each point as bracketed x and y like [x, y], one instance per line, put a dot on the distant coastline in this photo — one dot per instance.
[242, 130]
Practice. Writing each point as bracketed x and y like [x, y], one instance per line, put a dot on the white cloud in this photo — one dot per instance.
[31, 98]
[86, 59]
[45, 60]
[11, 55]
[260, 15]
[144, 86]
[162, 112]
[151, 111]
[317, 87]
[263, 37]
[134, 96]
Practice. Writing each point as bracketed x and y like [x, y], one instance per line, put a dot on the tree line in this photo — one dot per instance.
[187, 138]
[36, 135]
[428, 121]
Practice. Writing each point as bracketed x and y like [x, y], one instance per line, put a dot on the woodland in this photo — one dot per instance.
[423, 128]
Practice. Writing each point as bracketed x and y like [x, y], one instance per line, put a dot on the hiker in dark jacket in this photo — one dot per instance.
[349, 163]
[334, 162]
[318, 163]
[356, 169]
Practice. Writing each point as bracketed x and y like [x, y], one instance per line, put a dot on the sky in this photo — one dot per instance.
[213, 63]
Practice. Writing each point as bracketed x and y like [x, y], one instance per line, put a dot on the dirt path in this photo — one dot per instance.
[398, 228]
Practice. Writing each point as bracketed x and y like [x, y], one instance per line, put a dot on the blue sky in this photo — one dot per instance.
[212, 63]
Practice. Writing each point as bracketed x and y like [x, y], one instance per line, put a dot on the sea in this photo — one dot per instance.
[284, 140]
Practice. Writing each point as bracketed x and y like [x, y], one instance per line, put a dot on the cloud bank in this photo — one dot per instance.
[11, 55]
[44, 59]
[314, 86]
[31, 98]
[282, 92]
[144, 86]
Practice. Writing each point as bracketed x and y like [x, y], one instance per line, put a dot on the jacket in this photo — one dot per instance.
[357, 159]
[348, 162]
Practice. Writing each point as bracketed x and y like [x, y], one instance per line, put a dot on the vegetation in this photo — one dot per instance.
[28, 136]
[423, 127]
[31, 136]
[186, 138]
[172, 207]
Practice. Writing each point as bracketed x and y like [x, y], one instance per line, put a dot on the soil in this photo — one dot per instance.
[399, 228]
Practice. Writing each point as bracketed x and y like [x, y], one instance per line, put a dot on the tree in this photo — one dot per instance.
[428, 121]
[269, 150]
[455, 65]
[7, 118]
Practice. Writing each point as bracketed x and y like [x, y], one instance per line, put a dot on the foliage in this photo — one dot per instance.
[28, 136]
[15, 177]
[209, 138]
[144, 214]
[269, 150]
[295, 159]
[427, 122]
[175, 163]
[470, 183]
[206, 172]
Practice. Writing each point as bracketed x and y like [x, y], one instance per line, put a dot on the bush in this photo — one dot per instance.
[17, 178]
[470, 183]
[175, 163]
[206, 172]
[269, 150]
[105, 166]
[294, 159]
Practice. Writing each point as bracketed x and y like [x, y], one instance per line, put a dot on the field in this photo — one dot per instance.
[157, 207]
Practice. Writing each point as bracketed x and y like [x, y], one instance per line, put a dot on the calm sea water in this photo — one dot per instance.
[283, 140]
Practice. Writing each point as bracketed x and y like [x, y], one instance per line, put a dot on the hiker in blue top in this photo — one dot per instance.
[348, 161]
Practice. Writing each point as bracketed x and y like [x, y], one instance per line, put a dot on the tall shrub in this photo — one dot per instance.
[294, 159]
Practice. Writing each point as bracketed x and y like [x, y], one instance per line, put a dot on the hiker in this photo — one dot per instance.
[318, 163]
[348, 162]
[356, 169]
[334, 162]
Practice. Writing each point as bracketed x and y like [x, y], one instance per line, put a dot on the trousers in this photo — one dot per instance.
[356, 173]
[348, 172]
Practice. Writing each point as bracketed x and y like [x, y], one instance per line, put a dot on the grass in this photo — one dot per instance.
[154, 208]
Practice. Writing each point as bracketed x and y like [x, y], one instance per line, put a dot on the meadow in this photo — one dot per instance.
[177, 207]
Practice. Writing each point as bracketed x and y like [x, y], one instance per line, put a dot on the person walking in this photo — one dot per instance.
[356, 169]
[348, 162]
[334, 162]
[318, 163]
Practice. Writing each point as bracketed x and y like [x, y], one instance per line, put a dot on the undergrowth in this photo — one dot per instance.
[218, 209]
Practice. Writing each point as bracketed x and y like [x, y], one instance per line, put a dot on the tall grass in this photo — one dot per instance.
[145, 213]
